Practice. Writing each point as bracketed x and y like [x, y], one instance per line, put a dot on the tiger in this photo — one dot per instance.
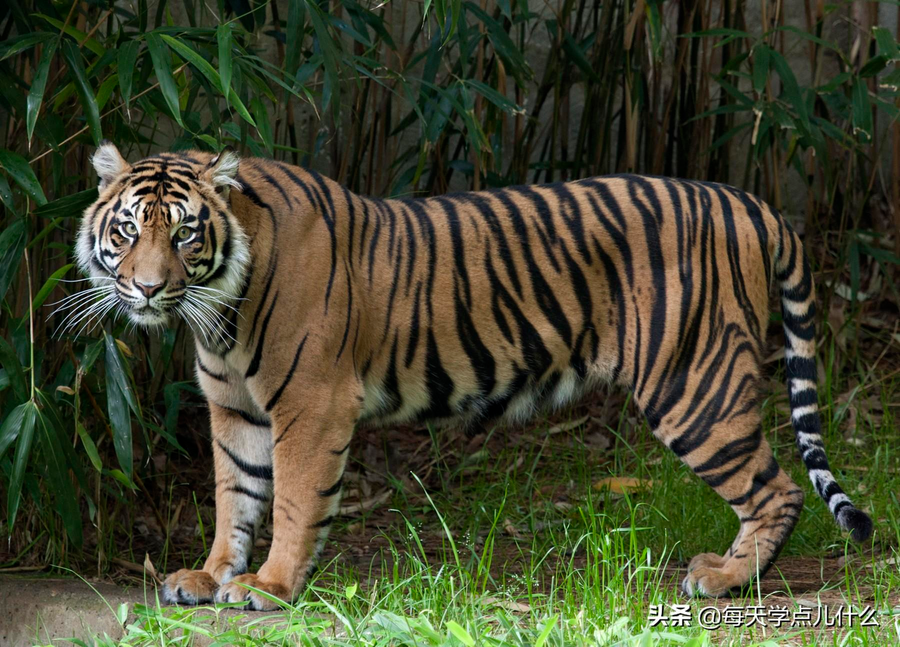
[316, 311]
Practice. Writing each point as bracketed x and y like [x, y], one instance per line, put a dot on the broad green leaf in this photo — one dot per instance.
[545, 632]
[117, 406]
[495, 97]
[21, 173]
[223, 37]
[90, 448]
[85, 92]
[38, 84]
[12, 244]
[263, 126]
[11, 427]
[57, 472]
[68, 206]
[295, 25]
[791, 88]
[128, 53]
[209, 72]
[6, 196]
[20, 461]
[77, 35]
[862, 110]
[44, 292]
[106, 89]
[10, 361]
[760, 67]
[12, 46]
[461, 634]
[887, 44]
[162, 64]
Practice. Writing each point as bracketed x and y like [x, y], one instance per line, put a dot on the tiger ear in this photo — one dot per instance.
[109, 163]
[222, 171]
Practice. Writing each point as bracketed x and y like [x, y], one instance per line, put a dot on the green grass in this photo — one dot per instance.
[514, 547]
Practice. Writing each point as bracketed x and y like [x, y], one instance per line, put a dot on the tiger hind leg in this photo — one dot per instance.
[734, 458]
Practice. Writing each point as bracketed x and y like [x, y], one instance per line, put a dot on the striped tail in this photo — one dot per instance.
[798, 308]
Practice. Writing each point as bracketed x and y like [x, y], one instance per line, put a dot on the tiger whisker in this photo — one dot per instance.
[79, 294]
[72, 318]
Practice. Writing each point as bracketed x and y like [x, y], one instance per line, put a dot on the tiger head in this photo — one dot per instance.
[161, 238]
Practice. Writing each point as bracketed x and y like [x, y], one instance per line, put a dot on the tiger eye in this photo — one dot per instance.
[184, 233]
[130, 228]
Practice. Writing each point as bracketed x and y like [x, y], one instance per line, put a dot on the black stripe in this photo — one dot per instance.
[256, 471]
[257, 355]
[324, 523]
[334, 489]
[215, 376]
[290, 375]
[250, 493]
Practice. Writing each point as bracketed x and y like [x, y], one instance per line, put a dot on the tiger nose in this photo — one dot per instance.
[149, 289]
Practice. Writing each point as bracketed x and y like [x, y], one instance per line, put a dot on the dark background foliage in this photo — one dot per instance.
[389, 99]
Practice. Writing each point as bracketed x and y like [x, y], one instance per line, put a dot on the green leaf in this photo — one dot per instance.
[545, 632]
[6, 196]
[461, 634]
[10, 361]
[20, 461]
[261, 115]
[44, 292]
[495, 97]
[117, 405]
[57, 472]
[224, 38]
[127, 59]
[162, 64]
[887, 45]
[38, 84]
[77, 35]
[89, 447]
[73, 57]
[12, 46]
[760, 67]
[21, 173]
[12, 244]
[791, 88]
[295, 25]
[862, 110]
[68, 206]
[11, 427]
[209, 72]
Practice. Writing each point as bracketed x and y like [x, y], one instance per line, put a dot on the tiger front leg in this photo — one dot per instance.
[242, 450]
[309, 454]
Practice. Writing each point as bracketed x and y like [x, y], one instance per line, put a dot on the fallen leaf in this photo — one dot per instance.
[150, 569]
[622, 484]
[567, 426]
[509, 605]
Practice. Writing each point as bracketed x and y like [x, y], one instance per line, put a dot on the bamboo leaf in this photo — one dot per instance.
[20, 461]
[12, 46]
[295, 26]
[162, 65]
[261, 115]
[128, 53]
[38, 84]
[50, 283]
[10, 362]
[12, 244]
[210, 73]
[760, 67]
[117, 405]
[224, 37]
[862, 110]
[11, 427]
[88, 102]
[90, 448]
[21, 173]
[77, 35]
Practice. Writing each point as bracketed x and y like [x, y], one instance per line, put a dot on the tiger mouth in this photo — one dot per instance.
[147, 315]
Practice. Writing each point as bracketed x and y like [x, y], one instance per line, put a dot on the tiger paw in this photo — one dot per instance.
[189, 587]
[234, 592]
[709, 576]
